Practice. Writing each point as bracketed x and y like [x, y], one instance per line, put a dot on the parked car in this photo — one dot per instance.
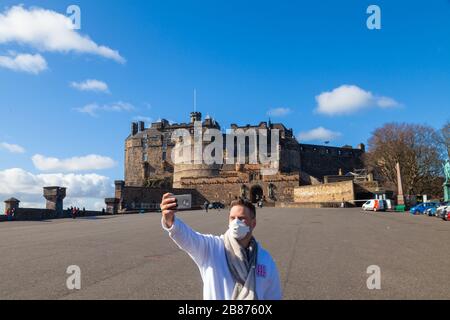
[374, 205]
[446, 214]
[441, 209]
[431, 211]
[421, 208]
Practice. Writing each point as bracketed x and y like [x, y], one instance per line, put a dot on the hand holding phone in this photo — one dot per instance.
[168, 209]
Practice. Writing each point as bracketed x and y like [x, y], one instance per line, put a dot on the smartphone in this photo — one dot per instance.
[184, 201]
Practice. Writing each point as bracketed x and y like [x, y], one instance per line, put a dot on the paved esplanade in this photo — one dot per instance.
[321, 254]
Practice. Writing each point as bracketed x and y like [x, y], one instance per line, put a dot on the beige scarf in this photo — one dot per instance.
[242, 267]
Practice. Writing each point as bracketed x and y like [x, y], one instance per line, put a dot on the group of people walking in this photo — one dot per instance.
[76, 212]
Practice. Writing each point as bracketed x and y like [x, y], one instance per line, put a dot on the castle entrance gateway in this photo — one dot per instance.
[256, 194]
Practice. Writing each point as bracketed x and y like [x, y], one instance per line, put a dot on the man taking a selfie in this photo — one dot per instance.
[233, 266]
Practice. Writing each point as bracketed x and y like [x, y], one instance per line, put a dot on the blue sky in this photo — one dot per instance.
[245, 58]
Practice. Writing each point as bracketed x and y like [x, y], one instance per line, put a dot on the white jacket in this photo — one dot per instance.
[208, 252]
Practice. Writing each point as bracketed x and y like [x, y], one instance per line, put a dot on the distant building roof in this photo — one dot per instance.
[12, 200]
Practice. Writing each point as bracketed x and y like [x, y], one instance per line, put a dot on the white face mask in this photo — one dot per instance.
[238, 229]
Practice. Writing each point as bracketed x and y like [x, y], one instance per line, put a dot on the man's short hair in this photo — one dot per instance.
[246, 204]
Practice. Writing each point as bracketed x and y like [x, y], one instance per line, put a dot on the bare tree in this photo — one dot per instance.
[417, 148]
[445, 136]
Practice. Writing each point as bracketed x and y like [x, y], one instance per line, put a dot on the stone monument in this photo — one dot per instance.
[400, 196]
[447, 180]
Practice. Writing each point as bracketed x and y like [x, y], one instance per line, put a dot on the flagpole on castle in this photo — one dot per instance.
[195, 100]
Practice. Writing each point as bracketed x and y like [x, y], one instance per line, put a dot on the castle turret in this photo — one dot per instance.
[141, 126]
[11, 204]
[55, 197]
[196, 116]
[185, 166]
[361, 147]
[134, 128]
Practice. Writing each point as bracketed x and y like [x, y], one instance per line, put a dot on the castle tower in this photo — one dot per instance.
[188, 169]
[185, 166]
[112, 205]
[55, 197]
[11, 204]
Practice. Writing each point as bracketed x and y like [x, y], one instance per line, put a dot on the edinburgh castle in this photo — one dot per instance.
[150, 171]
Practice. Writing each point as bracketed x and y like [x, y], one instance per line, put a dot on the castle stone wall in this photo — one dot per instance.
[329, 192]
[320, 161]
[137, 198]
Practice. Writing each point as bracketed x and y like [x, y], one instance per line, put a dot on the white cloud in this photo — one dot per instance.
[90, 162]
[93, 108]
[319, 134]
[279, 112]
[28, 63]
[386, 102]
[90, 109]
[118, 107]
[47, 30]
[13, 148]
[91, 85]
[349, 99]
[83, 190]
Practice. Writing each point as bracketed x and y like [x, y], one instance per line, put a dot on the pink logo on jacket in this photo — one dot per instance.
[261, 270]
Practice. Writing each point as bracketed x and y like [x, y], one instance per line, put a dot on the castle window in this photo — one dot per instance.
[164, 155]
[145, 157]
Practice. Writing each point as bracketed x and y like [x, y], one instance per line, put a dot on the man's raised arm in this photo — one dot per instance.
[195, 244]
